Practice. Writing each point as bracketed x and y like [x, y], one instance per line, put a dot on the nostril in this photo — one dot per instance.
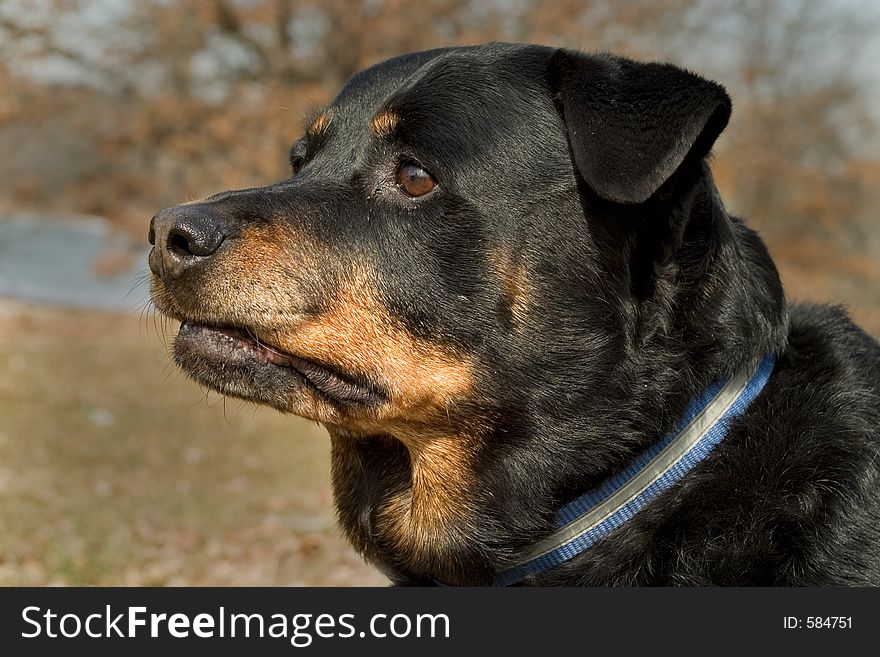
[193, 237]
[179, 243]
[183, 238]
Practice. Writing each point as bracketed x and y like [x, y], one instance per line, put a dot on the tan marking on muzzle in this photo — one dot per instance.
[248, 283]
[357, 334]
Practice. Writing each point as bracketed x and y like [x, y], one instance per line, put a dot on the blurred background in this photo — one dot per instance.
[115, 469]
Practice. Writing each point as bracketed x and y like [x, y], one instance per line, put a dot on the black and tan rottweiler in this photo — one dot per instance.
[502, 277]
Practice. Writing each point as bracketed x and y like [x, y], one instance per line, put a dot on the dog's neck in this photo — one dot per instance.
[592, 516]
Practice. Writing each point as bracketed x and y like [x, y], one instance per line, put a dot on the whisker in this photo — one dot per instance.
[135, 284]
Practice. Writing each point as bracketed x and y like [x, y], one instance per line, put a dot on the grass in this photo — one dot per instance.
[117, 470]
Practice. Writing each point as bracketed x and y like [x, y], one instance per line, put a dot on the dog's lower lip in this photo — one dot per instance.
[324, 379]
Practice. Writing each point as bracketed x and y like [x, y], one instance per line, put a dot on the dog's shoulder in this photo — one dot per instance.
[833, 370]
[830, 329]
[810, 451]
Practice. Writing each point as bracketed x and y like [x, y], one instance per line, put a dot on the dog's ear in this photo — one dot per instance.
[632, 125]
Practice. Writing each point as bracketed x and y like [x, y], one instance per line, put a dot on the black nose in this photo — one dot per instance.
[183, 237]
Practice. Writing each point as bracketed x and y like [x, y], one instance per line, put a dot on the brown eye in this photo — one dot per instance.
[414, 180]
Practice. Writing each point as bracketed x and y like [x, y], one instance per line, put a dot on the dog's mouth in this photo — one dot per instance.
[234, 361]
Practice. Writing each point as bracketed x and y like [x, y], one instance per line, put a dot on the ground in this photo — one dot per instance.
[117, 470]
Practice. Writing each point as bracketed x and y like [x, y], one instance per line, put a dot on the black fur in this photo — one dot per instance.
[589, 172]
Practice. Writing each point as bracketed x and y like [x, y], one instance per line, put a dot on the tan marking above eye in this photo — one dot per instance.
[319, 125]
[383, 124]
[414, 180]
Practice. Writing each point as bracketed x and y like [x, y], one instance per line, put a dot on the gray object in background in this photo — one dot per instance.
[54, 260]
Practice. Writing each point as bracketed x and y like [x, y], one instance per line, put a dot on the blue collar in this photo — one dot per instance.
[595, 514]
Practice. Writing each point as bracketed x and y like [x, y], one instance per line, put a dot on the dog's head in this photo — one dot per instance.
[471, 239]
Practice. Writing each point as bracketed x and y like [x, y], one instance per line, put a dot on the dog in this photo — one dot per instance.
[502, 278]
